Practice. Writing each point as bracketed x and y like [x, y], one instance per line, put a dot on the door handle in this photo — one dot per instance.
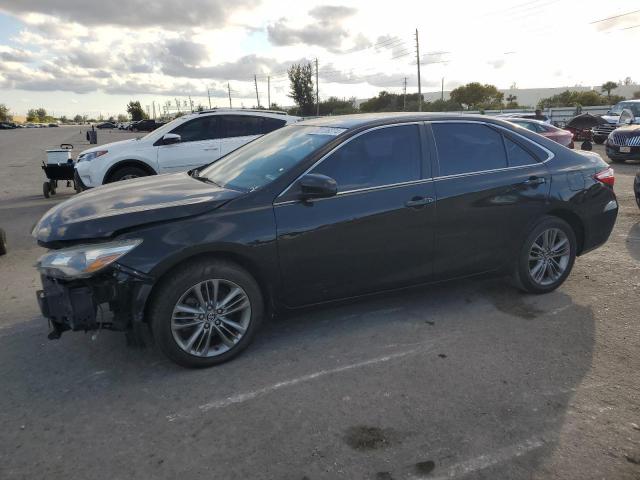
[211, 148]
[535, 181]
[419, 202]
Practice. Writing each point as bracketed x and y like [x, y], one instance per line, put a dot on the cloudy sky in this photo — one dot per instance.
[92, 57]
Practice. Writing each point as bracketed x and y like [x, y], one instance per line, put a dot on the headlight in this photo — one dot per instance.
[85, 157]
[85, 260]
[610, 139]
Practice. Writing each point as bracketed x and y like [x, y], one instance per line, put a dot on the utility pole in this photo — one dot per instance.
[442, 90]
[268, 91]
[419, 82]
[229, 89]
[317, 94]
[404, 95]
[154, 109]
[190, 104]
[255, 81]
[209, 95]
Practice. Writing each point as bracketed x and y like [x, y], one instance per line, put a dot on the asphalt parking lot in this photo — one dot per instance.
[470, 379]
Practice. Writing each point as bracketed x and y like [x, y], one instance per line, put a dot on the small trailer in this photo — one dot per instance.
[59, 167]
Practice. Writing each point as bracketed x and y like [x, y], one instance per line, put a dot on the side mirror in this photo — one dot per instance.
[314, 185]
[171, 138]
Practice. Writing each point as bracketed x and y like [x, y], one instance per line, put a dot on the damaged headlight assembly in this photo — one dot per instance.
[84, 260]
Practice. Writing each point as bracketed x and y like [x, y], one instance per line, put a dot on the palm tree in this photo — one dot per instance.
[607, 87]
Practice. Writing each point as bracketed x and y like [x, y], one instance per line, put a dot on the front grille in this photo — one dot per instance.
[604, 129]
[624, 140]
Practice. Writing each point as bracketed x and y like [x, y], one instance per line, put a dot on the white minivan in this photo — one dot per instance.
[185, 143]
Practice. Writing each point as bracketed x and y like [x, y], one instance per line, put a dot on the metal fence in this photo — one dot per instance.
[559, 115]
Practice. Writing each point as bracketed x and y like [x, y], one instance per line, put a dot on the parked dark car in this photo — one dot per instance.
[624, 143]
[321, 210]
[146, 125]
[53, 125]
[106, 125]
[7, 126]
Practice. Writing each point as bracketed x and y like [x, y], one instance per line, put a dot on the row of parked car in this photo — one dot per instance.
[147, 125]
[12, 125]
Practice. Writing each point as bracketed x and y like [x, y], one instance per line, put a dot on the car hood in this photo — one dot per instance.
[611, 118]
[112, 146]
[103, 211]
[628, 129]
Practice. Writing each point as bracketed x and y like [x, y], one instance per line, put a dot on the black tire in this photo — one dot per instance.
[168, 293]
[127, 173]
[46, 189]
[52, 187]
[3, 242]
[522, 275]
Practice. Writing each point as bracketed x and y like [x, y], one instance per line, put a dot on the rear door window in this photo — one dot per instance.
[468, 147]
[384, 156]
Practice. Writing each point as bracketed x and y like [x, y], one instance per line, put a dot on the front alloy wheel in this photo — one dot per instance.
[206, 312]
[210, 318]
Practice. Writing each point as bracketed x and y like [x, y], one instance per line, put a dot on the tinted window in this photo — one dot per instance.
[516, 154]
[204, 128]
[270, 124]
[381, 157]
[468, 147]
[242, 125]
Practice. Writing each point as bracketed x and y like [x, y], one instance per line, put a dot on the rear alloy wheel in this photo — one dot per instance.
[206, 314]
[547, 256]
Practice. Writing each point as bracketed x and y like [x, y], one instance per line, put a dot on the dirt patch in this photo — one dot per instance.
[365, 438]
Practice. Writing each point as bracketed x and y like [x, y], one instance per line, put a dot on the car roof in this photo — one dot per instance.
[383, 118]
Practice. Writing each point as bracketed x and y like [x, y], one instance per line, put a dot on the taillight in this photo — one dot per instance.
[606, 176]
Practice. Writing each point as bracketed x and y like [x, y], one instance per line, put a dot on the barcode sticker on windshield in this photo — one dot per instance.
[331, 131]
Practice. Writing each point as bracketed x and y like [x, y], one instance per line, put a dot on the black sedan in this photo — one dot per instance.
[322, 210]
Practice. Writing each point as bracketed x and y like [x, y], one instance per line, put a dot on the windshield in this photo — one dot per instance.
[265, 159]
[633, 106]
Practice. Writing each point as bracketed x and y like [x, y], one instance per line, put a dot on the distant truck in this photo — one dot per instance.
[601, 132]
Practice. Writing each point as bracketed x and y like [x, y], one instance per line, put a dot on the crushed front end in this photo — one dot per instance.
[84, 288]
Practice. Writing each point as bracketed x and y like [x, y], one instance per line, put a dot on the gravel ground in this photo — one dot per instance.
[465, 380]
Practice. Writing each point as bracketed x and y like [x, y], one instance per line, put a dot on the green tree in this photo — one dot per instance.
[77, 119]
[572, 98]
[336, 106]
[122, 118]
[607, 87]
[4, 113]
[636, 95]
[301, 88]
[36, 115]
[476, 96]
[134, 109]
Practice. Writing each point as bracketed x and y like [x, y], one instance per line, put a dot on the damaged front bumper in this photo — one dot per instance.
[113, 300]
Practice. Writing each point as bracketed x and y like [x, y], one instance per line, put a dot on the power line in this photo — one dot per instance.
[615, 16]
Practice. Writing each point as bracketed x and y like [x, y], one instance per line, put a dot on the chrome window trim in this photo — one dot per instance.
[336, 148]
[550, 157]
